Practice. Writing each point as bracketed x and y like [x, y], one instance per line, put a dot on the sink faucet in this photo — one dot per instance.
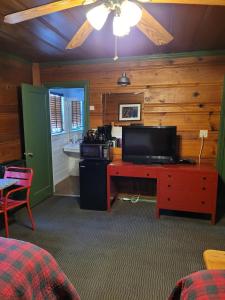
[74, 140]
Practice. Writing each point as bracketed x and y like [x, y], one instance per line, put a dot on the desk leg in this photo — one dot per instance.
[108, 192]
[213, 219]
[157, 213]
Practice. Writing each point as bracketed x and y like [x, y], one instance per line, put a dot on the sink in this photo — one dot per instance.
[72, 149]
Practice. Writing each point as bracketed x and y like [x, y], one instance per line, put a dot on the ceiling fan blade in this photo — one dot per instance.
[41, 11]
[197, 2]
[80, 36]
[153, 29]
[87, 2]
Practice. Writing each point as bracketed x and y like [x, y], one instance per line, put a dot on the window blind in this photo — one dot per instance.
[76, 114]
[56, 113]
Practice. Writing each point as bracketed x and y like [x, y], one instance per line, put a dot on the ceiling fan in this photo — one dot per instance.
[126, 14]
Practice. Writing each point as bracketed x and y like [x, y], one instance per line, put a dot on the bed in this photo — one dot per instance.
[30, 272]
[201, 285]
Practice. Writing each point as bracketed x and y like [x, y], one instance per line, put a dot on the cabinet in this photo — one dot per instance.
[188, 189]
[191, 188]
[93, 184]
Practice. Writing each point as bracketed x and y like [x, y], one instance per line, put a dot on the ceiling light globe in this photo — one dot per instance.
[97, 16]
[131, 12]
[120, 26]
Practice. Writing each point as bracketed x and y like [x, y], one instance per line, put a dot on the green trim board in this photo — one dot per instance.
[136, 58]
[15, 57]
[221, 140]
[121, 59]
[220, 163]
[75, 84]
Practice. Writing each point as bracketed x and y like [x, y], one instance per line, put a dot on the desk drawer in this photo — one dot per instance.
[185, 202]
[132, 172]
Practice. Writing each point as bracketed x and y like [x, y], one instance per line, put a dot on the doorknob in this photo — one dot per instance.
[29, 154]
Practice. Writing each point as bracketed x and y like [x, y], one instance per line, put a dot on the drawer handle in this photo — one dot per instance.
[168, 199]
[169, 176]
[169, 185]
[117, 173]
[204, 178]
[148, 174]
[202, 202]
[203, 188]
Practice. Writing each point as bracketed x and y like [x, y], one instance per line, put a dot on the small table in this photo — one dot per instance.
[6, 182]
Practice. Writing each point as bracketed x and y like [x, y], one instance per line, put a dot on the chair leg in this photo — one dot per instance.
[30, 215]
[6, 224]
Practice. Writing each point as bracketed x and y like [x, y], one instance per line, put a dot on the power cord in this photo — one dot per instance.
[201, 148]
[135, 200]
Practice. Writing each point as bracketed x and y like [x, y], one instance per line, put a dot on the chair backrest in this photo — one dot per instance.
[24, 175]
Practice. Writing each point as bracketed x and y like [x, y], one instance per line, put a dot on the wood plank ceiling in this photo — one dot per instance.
[45, 38]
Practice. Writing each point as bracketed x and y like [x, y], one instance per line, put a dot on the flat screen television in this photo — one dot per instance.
[149, 144]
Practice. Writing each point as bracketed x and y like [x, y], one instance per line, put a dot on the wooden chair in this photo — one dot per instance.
[24, 176]
[214, 259]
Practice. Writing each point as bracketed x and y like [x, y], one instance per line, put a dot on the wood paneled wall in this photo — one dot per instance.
[185, 92]
[13, 72]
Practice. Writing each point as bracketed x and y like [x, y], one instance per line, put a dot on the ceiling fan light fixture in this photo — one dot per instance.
[123, 80]
[120, 26]
[97, 16]
[131, 12]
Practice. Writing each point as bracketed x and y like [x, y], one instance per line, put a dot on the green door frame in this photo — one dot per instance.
[220, 163]
[75, 84]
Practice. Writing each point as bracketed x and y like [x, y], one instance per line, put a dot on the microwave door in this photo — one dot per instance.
[90, 151]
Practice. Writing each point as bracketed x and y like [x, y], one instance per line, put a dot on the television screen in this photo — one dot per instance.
[149, 144]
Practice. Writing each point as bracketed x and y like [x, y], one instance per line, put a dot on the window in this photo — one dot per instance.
[56, 113]
[76, 114]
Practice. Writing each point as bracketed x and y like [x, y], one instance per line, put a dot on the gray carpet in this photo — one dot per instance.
[125, 254]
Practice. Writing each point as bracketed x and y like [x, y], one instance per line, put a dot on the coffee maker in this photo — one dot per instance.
[100, 136]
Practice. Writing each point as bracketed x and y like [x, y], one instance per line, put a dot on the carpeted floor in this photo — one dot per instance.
[125, 254]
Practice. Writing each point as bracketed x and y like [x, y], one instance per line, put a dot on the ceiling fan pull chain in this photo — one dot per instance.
[116, 49]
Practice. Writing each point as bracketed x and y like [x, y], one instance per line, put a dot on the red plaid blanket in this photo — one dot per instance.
[202, 285]
[29, 272]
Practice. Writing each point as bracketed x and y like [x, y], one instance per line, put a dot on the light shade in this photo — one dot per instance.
[97, 16]
[123, 80]
[120, 26]
[131, 12]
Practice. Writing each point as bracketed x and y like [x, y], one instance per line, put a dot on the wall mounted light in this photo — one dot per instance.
[123, 80]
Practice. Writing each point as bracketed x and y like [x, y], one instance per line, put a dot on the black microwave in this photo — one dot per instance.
[95, 151]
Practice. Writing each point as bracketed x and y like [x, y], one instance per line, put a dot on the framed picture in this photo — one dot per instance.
[130, 112]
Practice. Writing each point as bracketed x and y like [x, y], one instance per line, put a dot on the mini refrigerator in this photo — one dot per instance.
[93, 184]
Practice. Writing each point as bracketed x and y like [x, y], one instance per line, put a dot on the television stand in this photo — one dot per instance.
[190, 188]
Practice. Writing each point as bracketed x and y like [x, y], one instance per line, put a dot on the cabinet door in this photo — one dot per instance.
[93, 185]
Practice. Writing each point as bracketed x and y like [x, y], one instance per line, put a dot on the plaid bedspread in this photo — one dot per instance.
[202, 285]
[28, 272]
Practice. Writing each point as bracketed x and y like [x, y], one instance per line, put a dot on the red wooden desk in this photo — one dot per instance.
[191, 188]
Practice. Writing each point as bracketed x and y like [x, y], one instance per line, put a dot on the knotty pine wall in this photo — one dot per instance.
[13, 72]
[185, 92]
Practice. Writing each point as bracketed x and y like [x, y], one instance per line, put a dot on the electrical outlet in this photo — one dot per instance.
[203, 133]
